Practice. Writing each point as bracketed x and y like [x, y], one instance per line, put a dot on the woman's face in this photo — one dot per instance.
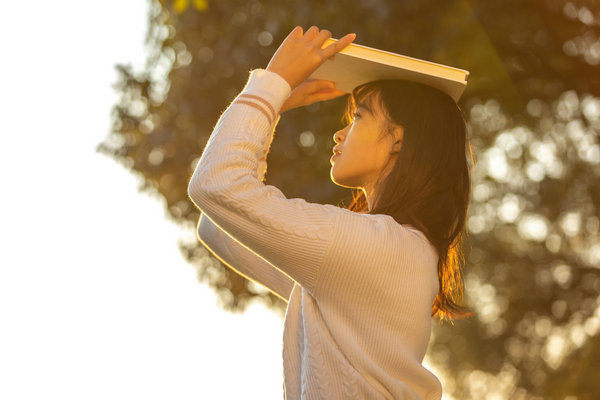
[363, 148]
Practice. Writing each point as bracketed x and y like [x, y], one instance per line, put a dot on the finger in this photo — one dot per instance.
[316, 85]
[309, 89]
[311, 33]
[296, 32]
[333, 48]
[325, 95]
[345, 41]
[321, 38]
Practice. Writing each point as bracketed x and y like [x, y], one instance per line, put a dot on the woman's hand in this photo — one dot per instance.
[299, 55]
[311, 91]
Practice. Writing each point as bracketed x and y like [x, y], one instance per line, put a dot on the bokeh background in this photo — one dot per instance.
[533, 111]
[96, 301]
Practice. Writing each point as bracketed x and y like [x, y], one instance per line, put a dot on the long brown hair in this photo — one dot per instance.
[429, 185]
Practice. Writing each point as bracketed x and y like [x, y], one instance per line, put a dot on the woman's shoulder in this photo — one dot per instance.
[386, 227]
[388, 219]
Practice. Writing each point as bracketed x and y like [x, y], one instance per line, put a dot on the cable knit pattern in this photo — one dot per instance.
[349, 383]
[359, 287]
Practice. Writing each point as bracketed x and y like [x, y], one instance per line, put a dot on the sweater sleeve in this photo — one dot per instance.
[242, 260]
[239, 258]
[290, 234]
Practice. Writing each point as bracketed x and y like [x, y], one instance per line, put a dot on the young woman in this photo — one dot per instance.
[361, 283]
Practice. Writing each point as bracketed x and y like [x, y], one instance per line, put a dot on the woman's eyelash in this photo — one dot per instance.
[356, 115]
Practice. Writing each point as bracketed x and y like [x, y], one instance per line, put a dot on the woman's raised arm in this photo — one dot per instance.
[291, 234]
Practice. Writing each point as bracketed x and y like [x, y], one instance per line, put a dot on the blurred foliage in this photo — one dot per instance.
[533, 109]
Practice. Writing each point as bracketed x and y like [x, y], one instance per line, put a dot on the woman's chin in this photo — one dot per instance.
[340, 181]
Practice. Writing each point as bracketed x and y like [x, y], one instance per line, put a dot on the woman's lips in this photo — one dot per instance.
[336, 152]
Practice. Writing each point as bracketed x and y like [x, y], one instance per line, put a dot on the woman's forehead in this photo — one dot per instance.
[368, 100]
[371, 102]
[365, 107]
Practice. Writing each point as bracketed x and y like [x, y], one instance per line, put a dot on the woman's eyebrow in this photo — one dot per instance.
[365, 107]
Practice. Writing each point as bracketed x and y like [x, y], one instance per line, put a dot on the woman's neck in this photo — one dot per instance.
[370, 196]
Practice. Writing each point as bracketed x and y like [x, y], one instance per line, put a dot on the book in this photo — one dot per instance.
[357, 64]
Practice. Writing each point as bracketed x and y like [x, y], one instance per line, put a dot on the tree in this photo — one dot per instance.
[533, 109]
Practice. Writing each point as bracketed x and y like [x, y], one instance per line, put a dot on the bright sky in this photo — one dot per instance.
[96, 301]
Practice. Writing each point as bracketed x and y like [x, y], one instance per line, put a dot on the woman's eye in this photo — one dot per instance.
[355, 116]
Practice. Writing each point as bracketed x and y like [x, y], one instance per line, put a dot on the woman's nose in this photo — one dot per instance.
[336, 137]
[339, 135]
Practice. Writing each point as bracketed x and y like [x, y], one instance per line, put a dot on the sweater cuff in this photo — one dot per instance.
[269, 86]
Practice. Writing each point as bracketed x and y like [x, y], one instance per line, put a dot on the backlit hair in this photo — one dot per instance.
[429, 185]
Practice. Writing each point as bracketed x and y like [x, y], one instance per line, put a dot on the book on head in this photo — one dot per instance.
[357, 64]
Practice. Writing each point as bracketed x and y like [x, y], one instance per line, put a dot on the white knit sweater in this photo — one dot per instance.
[359, 287]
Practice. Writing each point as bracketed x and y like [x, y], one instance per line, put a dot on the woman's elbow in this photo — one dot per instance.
[205, 192]
[196, 189]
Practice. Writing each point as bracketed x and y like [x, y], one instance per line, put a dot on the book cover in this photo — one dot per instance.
[357, 64]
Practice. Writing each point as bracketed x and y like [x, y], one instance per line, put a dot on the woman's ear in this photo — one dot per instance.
[399, 135]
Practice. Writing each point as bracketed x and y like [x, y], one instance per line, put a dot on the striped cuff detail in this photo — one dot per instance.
[259, 103]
